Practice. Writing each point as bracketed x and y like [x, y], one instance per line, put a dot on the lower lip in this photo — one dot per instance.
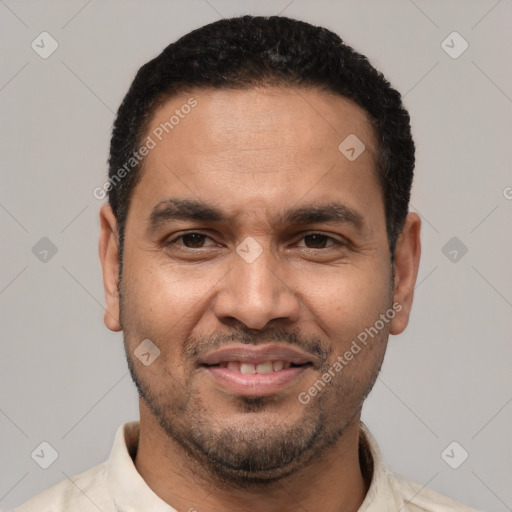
[256, 384]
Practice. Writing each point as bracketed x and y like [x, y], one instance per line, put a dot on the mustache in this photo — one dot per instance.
[198, 345]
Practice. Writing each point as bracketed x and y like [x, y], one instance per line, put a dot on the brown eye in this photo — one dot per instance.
[190, 240]
[193, 240]
[318, 241]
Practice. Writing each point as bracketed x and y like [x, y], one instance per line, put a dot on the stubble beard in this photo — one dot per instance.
[251, 454]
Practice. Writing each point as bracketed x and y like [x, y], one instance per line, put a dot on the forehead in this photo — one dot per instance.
[294, 115]
[257, 147]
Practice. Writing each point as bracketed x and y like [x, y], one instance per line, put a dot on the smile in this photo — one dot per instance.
[256, 380]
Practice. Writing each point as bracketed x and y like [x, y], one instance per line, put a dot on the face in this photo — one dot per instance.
[250, 228]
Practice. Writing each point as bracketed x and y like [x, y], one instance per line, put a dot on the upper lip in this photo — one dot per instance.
[257, 354]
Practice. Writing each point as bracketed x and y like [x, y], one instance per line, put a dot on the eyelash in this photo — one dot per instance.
[173, 242]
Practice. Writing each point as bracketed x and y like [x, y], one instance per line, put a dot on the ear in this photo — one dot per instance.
[407, 260]
[109, 257]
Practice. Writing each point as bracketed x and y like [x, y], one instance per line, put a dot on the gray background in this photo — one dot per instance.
[63, 376]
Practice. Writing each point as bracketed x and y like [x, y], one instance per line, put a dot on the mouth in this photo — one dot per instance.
[257, 371]
[256, 380]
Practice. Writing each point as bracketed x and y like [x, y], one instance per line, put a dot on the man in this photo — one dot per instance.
[257, 251]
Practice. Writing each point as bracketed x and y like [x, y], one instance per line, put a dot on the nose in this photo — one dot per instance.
[257, 292]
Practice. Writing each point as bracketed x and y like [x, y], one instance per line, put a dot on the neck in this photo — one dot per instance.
[334, 482]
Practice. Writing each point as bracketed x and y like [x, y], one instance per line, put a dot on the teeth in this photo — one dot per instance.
[277, 365]
[233, 365]
[247, 368]
[264, 367]
[261, 368]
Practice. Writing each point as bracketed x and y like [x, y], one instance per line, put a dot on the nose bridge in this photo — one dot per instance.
[253, 292]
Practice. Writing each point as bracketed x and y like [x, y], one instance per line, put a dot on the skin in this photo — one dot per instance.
[255, 153]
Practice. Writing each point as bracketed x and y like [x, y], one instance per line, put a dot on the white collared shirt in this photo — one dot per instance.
[117, 486]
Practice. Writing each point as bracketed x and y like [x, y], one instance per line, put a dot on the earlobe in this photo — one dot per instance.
[406, 264]
[109, 257]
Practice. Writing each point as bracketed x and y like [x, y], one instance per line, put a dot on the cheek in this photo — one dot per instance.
[163, 303]
[159, 291]
[349, 299]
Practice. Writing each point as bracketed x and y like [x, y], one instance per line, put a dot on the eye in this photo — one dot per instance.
[192, 240]
[195, 240]
[318, 240]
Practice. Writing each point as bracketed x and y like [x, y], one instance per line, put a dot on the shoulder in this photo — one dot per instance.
[419, 498]
[86, 492]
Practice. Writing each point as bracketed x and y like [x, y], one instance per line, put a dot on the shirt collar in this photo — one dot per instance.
[130, 492]
[383, 494]
[128, 489]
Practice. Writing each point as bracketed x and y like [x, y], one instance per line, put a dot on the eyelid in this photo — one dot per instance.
[336, 241]
[328, 236]
[174, 239]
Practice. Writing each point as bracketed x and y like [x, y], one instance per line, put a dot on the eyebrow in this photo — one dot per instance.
[186, 209]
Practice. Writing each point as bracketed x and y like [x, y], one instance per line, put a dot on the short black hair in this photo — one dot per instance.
[252, 51]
